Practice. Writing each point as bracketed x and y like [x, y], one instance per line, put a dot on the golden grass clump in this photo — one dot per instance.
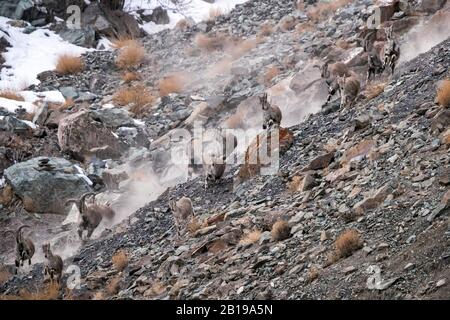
[130, 56]
[251, 237]
[173, 83]
[374, 90]
[194, 225]
[113, 286]
[123, 41]
[120, 260]
[323, 10]
[280, 230]
[4, 275]
[11, 95]
[138, 97]
[211, 42]
[443, 94]
[347, 242]
[49, 292]
[128, 77]
[69, 64]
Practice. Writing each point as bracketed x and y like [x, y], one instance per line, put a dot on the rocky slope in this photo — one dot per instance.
[380, 168]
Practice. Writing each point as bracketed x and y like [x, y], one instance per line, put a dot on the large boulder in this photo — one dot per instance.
[83, 134]
[431, 6]
[45, 190]
[159, 15]
[110, 23]
[261, 154]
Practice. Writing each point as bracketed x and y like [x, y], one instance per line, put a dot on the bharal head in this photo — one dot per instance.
[263, 101]
[46, 249]
[341, 81]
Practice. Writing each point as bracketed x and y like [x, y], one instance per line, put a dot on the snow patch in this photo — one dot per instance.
[13, 105]
[31, 54]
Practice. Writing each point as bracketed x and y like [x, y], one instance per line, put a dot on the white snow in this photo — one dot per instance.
[31, 54]
[46, 96]
[12, 105]
[198, 10]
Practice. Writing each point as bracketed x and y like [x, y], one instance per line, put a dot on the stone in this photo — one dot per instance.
[14, 125]
[372, 202]
[45, 191]
[255, 162]
[320, 162]
[41, 114]
[431, 6]
[308, 183]
[81, 134]
[265, 237]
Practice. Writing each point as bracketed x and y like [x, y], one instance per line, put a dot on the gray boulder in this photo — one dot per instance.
[14, 125]
[45, 189]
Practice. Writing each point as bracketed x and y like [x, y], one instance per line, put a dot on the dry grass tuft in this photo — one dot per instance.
[123, 41]
[120, 260]
[241, 47]
[251, 237]
[280, 230]
[69, 64]
[374, 90]
[4, 275]
[194, 225]
[130, 56]
[313, 274]
[323, 10]
[348, 242]
[211, 42]
[6, 195]
[11, 95]
[50, 292]
[443, 94]
[138, 97]
[128, 77]
[271, 72]
[173, 83]
[113, 286]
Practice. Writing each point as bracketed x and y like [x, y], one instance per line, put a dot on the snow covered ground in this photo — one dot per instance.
[198, 10]
[31, 54]
[38, 51]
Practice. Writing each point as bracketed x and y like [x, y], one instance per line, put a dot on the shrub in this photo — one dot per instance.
[374, 90]
[130, 56]
[211, 42]
[113, 286]
[120, 260]
[131, 76]
[123, 41]
[348, 242]
[50, 292]
[171, 84]
[443, 94]
[138, 97]
[280, 230]
[251, 237]
[69, 64]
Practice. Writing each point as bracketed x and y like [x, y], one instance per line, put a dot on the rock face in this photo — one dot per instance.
[45, 191]
[82, 134]
[110, 23]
